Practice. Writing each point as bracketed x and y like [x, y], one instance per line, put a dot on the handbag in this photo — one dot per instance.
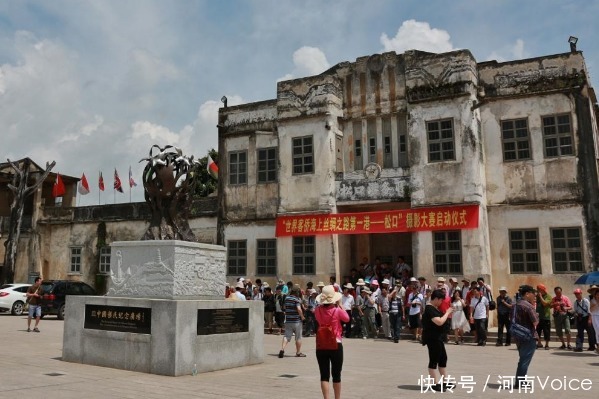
[518, 331]
[492, 303]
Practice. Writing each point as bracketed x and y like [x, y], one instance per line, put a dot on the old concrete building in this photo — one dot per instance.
[465, 168]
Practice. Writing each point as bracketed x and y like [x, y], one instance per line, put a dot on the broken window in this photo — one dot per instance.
[567, 250]
[303, 155]
[524, 251]
[447, 252]
[237, 258]
[557, 135]
[267, 165]
[238, 167]
[515, 139]
[440, 140]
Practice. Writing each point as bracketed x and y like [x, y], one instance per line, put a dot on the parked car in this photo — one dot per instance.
[55, 292]
[13, 298]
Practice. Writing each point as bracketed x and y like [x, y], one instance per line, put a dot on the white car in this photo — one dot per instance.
[13, 298]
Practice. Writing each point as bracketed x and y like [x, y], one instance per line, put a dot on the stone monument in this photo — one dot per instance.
[165, 312]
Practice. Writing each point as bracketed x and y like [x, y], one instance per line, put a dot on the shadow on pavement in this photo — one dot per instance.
[410, 387]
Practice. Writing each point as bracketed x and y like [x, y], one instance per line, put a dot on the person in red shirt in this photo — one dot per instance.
[561, 306]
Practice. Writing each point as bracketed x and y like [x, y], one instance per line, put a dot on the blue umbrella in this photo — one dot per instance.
[588, 278]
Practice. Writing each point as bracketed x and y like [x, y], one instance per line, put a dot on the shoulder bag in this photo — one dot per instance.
[518, 331]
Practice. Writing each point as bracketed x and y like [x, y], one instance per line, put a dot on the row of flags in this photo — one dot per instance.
[83, 188]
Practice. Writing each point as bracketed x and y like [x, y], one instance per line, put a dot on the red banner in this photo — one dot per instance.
[398, 221]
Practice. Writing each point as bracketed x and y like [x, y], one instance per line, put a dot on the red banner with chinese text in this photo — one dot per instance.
[395, 221]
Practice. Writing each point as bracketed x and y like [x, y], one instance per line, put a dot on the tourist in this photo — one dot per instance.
[368, 320]
[269, 308]
[504, 311]
[459, 321]
[396, 311]
[294, 316]
[279, 308]
[561, 305]
[330, 315]
[348, 303]
[415, 303]
[594, 310]
[240, 291]
[479, 306]
[433, 322]
[526, 316]
[382, 302]
[582, 307]
[34, 299]
[544, 311]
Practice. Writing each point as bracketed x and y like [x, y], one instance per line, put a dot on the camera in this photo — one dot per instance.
[414, 305]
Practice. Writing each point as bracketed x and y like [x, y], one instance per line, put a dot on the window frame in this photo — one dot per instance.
[515, 140]
[266, 170]
[557, 135]
[440, 140]
[524, 251]
[76, 260]
[103, 266]
[567, 250]
[235, 173]
[302, 156]
[448, 265]
[269, 270]
[240, 269]
[301, 269]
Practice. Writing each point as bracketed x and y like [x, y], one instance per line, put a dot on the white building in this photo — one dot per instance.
[373, 150]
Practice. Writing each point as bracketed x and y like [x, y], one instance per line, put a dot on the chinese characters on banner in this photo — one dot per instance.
[396, 221]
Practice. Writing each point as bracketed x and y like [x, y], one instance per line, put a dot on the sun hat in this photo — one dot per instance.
[386, 281]
[311, 291]
[328, 296]
[441, 279]
[577, 291]
[413, 280]
[320, 284]
[593, 289]
[502, 289]
[465, 280]
[360, 282]
[349, 286]
[541, 287]
[366, 290]
[374, 282]
[239, 284]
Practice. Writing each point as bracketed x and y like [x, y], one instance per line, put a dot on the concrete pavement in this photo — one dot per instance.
[31, 367]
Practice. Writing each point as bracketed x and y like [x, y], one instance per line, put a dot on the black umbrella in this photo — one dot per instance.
[588, 278]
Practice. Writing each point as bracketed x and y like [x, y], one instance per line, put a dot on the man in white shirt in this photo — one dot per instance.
[239, 288]
[347, 301]
[415, 301]
[479, 306]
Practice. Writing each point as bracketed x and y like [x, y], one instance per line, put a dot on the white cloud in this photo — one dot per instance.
[514, 51]
[414, 35]
[308, 61]
[143, 130]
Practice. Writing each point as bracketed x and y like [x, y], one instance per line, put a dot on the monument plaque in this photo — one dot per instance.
[222, 321]
[118, 318]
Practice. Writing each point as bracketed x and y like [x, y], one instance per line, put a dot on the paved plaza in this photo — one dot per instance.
[31, 367]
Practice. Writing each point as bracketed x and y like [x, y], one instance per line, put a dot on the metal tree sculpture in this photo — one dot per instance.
[169, 181]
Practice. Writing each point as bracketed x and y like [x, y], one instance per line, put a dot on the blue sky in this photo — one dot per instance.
[93, 84]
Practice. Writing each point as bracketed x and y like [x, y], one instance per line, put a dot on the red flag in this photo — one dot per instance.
[101, 182]
[83, 186]
[117, 182]
[131, 181]
[59, 189]
[212, 167]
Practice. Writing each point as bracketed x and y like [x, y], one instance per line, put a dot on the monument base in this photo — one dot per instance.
[163, 336]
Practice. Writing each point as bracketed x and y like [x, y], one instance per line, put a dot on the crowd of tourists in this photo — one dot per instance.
[377, 302]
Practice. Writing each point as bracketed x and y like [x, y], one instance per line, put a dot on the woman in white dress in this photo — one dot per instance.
[594, 311]
[459, 321]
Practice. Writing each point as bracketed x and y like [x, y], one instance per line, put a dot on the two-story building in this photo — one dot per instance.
[464, 168]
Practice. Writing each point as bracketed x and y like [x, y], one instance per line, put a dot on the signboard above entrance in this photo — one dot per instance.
[394, 221]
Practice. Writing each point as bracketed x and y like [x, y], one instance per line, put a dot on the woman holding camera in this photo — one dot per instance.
[432, 336]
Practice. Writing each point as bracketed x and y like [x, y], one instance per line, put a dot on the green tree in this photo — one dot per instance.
[207, 184]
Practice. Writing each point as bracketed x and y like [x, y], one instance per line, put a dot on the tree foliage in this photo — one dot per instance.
[206, 184]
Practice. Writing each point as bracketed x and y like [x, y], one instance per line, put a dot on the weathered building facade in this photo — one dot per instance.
[416, 137]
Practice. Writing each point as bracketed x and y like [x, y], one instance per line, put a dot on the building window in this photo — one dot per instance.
[303, 155]
[440, 140]
[567, 250]
[237, 258]
[238, 167]
[357, 132]
[266, 260]
[447, 252]
[524, 251]
[303, 255]
[104, 260]
[267, 165]
[75, 260]
[371, 133]
[516, 143]
[557, 134]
